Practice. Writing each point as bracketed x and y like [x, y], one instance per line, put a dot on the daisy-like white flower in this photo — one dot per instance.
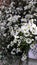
[27, 34]
[28, 16]
[4, 35]
[28, 40]
[33, 28]
[18, 50]
[10, 19]
[16, 37]
[24, 57]
[23, 20]
[12, 32]
[15, 40]
[11, 5]
[11, 43]
[0, 56]
[16, 17]
[24, 28]
[35, 37]
[19, 41]
[30, 22]
[8, 45]
[34, 32]
[17, 31]
[35, 14]
[13, 53]
[26, 7]
[19, 8]
[32, 46]
[18, 45]
[0, 12]
[32, 39]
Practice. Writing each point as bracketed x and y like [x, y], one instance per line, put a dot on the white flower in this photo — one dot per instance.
[32, 39]
[0, 12]
[28, 40]
[12, 32]
[35, 31]
[35, 37]
[30, 22]
[4, 35]
[13, 18]
[0, 56]
[32, 46]
[11, 5]
[24, 28]
[10, 19]
[16, 37]
[33, 28]
[28, 16]
[19, 41]
[8, 45]
[17, 31]
[35, 14]
[15, 41]
[24, 57]
[25, 8]
[27, 34]
[18, 44]
[23, 19]
[11, 43]
[18, 16]
[13, 53]
[18, 50]
[19, 9]
[13, 49]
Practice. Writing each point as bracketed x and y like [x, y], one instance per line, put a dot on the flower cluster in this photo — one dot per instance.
[18, 28]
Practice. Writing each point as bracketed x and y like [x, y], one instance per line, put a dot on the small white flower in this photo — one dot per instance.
[17, 31]
[25, 7]
[13, 49]
[33, 28]
[11, 5]
[10, 19]
[26, 34]
[35, 37]
[11, 43]
[28, 40]
[32, 46]
[35, 14]
[13, 53]
[12, 32]
[28, 16]
[8, 46]
[24, 28]
[32, 39]
[24, 57]
[18, 50]
[4, 35]
[16, 37]
[18, 44]
[0, 56]
[18, 16]
[15, 41]
[0, 12]
[23, 19]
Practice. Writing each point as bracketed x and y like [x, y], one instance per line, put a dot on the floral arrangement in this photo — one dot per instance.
[18, 29]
